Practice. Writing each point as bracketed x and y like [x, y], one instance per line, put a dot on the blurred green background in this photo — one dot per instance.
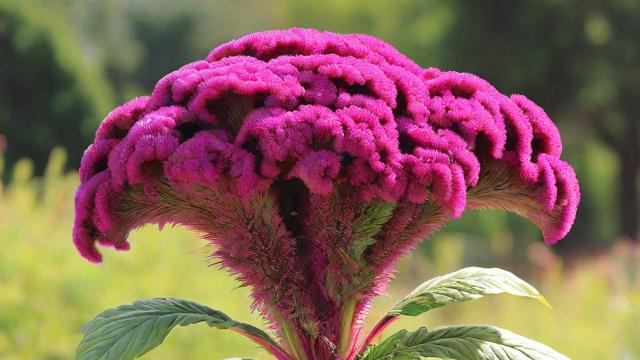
[65, 64]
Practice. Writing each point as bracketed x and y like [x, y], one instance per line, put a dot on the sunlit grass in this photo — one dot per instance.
[47, 291]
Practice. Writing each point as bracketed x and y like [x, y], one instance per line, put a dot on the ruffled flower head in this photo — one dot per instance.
[312, 161]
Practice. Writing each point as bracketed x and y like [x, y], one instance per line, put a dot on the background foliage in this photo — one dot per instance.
[65, 63]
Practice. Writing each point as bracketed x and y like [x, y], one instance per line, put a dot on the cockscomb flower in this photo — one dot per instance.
[312, 162]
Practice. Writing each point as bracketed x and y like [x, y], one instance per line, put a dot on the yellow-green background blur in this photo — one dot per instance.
[65, 64]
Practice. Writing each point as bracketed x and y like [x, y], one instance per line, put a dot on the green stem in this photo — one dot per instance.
[292, 340]
[348, 311]
[375, 332]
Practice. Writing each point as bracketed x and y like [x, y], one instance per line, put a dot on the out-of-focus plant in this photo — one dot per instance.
[312, 162]
[43, 62]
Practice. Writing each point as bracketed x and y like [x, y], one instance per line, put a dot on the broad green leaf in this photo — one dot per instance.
[466, 284]
[476, 342]
[128, 331]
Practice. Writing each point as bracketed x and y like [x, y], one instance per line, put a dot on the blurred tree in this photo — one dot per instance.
[138, 42]
[48, 92]
[414, 27]
[579, 60]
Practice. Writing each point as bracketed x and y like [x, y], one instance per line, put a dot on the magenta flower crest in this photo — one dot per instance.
[312, 162]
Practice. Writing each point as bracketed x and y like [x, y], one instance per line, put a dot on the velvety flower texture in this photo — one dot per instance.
[312, 161]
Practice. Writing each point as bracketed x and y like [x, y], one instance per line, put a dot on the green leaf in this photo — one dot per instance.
[477, 342]
[367, 224]
[466, 284]
[128, 331]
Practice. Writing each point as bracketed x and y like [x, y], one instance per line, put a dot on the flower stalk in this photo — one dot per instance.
[293, 342]
[375, 332]
[346, 330]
